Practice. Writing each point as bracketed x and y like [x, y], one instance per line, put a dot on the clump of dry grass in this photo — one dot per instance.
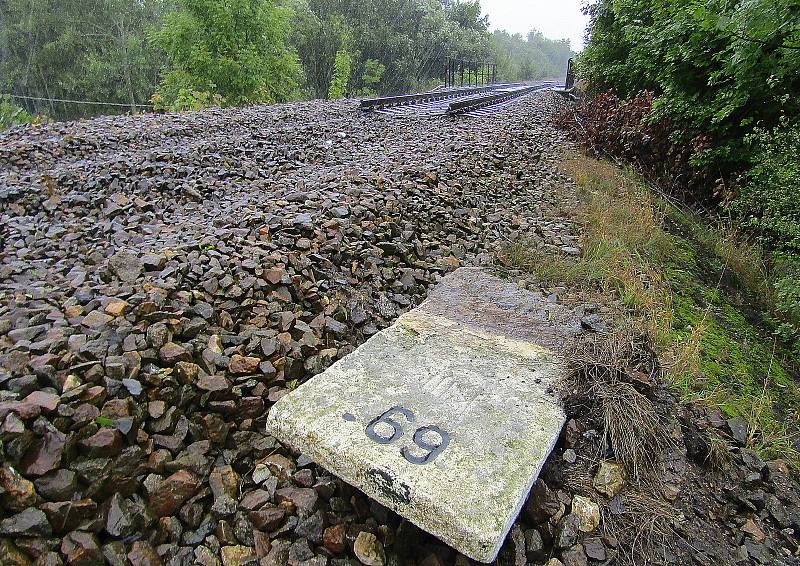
[631, 425]
[719, 452]
[645, 523]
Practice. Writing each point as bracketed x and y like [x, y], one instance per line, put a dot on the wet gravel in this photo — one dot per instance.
[165, 279]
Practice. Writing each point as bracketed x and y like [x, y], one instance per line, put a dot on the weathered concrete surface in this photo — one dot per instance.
[447, 416]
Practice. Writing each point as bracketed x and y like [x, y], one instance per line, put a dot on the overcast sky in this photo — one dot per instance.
[556, 19]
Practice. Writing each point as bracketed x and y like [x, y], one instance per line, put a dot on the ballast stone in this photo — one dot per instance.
[447, 416]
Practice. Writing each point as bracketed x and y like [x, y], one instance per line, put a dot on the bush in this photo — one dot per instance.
[342, 69]
[769, 201]
[717, 69]
[786, 313]
[608, 126]
[185, 99]
[11, 114]
[226, 53]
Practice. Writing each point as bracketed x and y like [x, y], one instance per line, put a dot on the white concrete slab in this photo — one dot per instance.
[447, 416]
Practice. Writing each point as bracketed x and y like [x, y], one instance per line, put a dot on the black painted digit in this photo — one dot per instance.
[433, 450]
[397, 429]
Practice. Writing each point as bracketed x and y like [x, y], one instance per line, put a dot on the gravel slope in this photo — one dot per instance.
[165, 279]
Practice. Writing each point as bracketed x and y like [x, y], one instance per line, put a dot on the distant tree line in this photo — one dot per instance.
[184, 54]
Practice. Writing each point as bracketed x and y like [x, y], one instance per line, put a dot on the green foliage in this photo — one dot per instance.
[342, 69]
[371, 77]
[231, 52]
[11, 114]
[725, 74]
[768, 206]
[786, 297]
[93, 50]
[410, 41]
[718, 67]
[187, 99]
[531, 58]
[198, 53]
[769, 201]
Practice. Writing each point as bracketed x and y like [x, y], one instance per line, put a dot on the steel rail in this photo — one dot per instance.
[471, 104]
[386, 101]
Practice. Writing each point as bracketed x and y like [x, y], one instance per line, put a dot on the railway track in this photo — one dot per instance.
[472, 101]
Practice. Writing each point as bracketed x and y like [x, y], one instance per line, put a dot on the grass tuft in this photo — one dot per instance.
[602, 369]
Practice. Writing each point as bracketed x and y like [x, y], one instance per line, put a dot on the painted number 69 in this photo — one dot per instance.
[384, 429]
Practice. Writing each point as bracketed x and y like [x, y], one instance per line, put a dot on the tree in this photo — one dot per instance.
[531, 58]
[226, 52]
[409, 41]
[92, 50]
[342, 69]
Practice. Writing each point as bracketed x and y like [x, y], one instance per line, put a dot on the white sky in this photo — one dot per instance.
[556, 19]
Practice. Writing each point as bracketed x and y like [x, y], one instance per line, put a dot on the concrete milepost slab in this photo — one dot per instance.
[447, 416]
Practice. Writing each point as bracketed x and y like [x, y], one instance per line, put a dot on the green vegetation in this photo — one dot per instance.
[692, 288]
[529, 58]
[225, 53]
[708, 106]
[191, 54]
[93, 50]
[12, 114]
[718, 68]
[342, 69]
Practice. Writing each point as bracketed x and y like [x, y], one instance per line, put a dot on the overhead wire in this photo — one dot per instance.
[89, 102]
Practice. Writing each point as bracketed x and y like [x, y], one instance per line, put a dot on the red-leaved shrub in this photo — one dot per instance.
[624, 129]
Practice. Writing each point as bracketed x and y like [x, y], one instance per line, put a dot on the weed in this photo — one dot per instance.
[646, 521]
[719, 451]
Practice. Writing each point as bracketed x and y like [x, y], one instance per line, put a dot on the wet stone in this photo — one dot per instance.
[369, 550]
[171, 493]
[414, 434]
[58, 485]
[610, 478]
[237, 555]
[30, 522]
[171, 353]
[81, 549]
[44, 455]
[311, 527]
[122, 516]
[334, 538]
[17, 492]
[304, 499]
[143, 554]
